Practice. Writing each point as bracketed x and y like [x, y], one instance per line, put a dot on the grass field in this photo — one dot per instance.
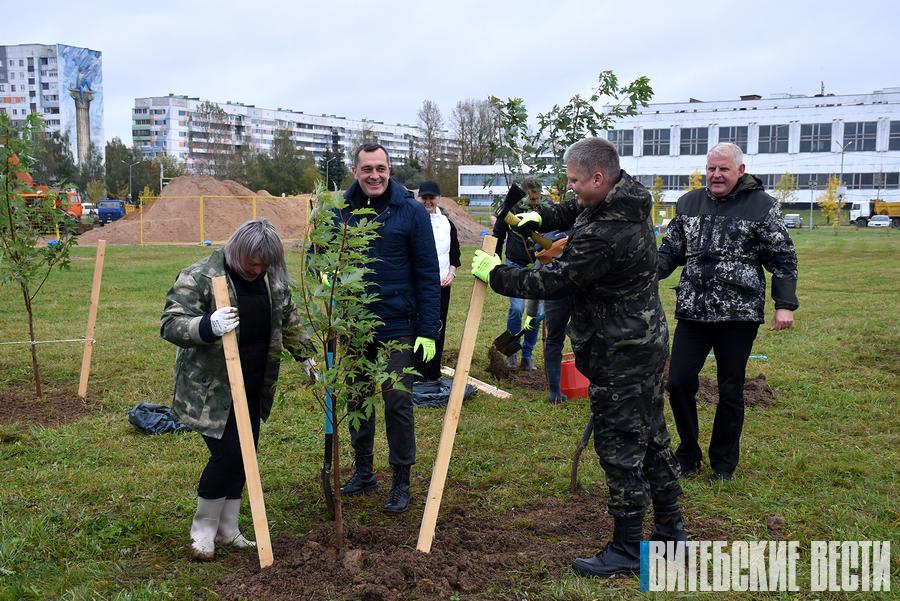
[95, 510]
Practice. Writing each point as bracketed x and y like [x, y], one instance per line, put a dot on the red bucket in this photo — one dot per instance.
[571, 382]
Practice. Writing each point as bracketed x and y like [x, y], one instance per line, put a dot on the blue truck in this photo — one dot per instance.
[110, 210]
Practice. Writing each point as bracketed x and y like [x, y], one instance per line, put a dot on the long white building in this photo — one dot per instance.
[811, 137]
[173, 125]
[64, 84]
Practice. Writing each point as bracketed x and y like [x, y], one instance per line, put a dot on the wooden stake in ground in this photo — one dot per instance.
[454, 406]
[92, 320]
[245, 432]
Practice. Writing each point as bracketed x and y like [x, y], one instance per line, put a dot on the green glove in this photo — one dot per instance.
[527, 322]
[483, 264]
[532, 217]
[427, 346]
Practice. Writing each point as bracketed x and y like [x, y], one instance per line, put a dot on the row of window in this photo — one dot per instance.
[814, 137]
[804, 181]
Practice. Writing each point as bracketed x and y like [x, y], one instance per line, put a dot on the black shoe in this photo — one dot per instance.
[360, 482]
[511, 362]
[620, 557]
[609, 562]
[721, 476]
[689, 469]
[399, 497]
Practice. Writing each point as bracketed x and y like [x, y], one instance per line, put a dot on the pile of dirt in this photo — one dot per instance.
[532, 379]
[757, 392]
[174, 218]
[467, 229]
[472, 555]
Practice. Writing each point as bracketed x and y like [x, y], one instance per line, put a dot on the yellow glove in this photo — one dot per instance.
[427, 346]
[483, 264]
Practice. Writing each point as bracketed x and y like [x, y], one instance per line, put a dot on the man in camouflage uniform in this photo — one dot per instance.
[724, 235]
[253, 263]
[619, 335]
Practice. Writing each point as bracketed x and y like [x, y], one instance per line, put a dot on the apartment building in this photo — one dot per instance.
[855, 136]
[185, 128]
[62, 83]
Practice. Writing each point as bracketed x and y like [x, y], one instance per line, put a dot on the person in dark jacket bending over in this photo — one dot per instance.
[406, 279]
[619, 335]
[253, 262]
[724, 235]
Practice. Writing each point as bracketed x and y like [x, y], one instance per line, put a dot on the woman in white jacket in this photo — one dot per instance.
[447, 247]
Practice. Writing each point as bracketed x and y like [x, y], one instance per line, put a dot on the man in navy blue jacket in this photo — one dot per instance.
[407, 281]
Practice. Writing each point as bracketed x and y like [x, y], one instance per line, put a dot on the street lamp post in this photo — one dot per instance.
[841, 196]
[812, 190]
[129, 178]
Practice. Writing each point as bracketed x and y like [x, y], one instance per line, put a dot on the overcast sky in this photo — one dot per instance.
[380, 59]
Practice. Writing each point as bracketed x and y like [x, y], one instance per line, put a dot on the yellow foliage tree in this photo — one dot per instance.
[695, 181]
[657, 193]
[828, 201]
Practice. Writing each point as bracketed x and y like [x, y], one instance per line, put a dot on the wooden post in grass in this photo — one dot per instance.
[454, 406]
[245, 432]
[92, 320]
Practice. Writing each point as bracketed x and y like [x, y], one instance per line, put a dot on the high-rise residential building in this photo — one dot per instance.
[855, 136]
[198, 131]
[64, 84]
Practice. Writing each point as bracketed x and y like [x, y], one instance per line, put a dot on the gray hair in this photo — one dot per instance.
[728, 150]
[594, 154]
[531, 184]
[257, 239]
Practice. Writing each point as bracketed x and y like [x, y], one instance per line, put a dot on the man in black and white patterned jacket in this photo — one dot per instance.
[723, 235]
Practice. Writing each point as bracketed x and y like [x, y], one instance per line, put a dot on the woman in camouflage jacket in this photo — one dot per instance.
[253, 262]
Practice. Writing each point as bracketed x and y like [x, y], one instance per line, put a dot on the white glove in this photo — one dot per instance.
[224, 320]
[309, 366]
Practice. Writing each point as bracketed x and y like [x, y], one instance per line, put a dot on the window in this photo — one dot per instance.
[893, 136]
[623, 141]
[815, 137]
[734, 135]
[2, 88]
[694, 140]
[773, 139]
[12, 88]
[856, 181]
[861, 134]
[656, 142]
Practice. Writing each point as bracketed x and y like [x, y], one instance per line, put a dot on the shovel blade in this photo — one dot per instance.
[507, 343]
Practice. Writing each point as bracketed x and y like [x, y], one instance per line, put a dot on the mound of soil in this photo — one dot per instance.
[757, 392]
[473, 555]
[57, 407]
[535, 380]
[467, 229]
[174, 217]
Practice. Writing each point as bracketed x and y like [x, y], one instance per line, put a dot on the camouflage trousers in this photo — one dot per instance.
[632, 441]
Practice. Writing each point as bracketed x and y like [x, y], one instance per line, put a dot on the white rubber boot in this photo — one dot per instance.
[228, 533]
[204, 527]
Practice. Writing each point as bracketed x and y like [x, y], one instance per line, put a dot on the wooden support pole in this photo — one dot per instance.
[92, 320]
[454, 406]
[245, 432]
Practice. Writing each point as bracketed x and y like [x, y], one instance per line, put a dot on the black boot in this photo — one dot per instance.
[668, 524]
[398, 500]
[621, 556]
[363, 479]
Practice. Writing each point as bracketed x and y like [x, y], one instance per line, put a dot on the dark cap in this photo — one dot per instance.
[429, 188]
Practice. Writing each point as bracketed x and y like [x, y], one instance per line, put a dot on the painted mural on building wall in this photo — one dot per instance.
[81, 98]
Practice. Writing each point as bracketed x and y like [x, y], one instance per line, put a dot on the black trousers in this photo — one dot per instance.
[432, 370]
[556, 316]
[224, 475]
[398, 413]
[732, 343]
